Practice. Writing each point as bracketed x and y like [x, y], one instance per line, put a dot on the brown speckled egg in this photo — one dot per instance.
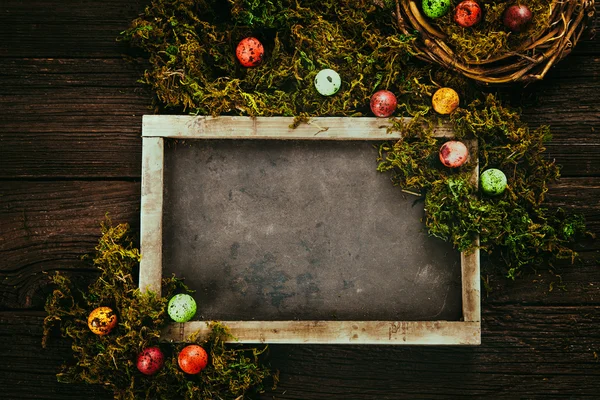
[383, 103]
[467, 13]
[445, 100]
[102, 320]
[192, 359]
[453, 154]
[150, 361]
[250, 52]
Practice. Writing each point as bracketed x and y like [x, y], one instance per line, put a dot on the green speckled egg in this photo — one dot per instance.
[181, 308]
[436, 8]
[493, 182]
[327, 82]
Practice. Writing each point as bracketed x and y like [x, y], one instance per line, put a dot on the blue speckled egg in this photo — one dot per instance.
[436, 8]
[181, 308]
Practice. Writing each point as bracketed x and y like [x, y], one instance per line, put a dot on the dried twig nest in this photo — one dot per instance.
[506, 57]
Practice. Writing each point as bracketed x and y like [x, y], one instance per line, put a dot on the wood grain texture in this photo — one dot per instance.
[151, 215]
[71, 118]
[49, 226]
[338, 332]
[276, 128]
[528, 352]
[40, 28]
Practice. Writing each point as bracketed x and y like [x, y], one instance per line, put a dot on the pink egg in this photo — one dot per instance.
[150, 361]
[453, 154]
[383, 103]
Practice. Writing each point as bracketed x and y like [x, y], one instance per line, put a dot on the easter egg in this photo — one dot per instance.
[383, 103]
[467, 13]
[327, 82]
[192, 359]
[453, 154]
[181, 308]
[102, 320]
[436, 8]
[250, 52]
[517, 17]
[150, 361]
[445, 100]
[493, 182]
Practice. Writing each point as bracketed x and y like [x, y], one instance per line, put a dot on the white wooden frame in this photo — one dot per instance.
[155, 128]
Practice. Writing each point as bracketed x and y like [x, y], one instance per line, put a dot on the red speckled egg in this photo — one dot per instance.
[467, 13]
[102, 320]
[453, 154]
[383, 103]
[192, 359]
[150, 361]
[250, 52]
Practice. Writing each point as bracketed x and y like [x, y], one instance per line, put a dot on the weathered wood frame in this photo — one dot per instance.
[156, 128]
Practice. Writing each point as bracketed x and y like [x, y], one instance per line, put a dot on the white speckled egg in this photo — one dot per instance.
[327, 82]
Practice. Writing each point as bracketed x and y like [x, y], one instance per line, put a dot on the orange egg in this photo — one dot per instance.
[102, 320]
[192, 359]
[445, 100]
[250, 52]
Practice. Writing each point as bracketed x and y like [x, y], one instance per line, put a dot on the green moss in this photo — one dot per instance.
[515, 227]
[233, 371]
[191, 49]
[357, 39]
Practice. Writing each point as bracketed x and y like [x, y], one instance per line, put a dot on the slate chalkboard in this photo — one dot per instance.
[300, 230]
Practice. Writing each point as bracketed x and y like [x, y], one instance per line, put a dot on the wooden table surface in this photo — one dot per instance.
[70, 151]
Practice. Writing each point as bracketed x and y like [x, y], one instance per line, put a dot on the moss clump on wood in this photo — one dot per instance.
[514, 226]
[191, 48]
[233, 371]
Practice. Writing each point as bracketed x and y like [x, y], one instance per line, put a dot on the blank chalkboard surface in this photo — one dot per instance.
[300, 230]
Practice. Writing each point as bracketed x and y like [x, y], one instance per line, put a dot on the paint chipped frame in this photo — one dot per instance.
[156, 128]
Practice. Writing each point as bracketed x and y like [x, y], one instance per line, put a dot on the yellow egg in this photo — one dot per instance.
[445, 100]
[102, 320]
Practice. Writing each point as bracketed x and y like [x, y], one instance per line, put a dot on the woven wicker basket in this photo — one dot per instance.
[529, 62]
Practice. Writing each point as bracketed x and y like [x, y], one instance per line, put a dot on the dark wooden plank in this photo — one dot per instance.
[58, 29]
[49, 226]
[75, 132]
[28, 371]
[28, 76]
[577, 195]
[527, 352]
[565, 283]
